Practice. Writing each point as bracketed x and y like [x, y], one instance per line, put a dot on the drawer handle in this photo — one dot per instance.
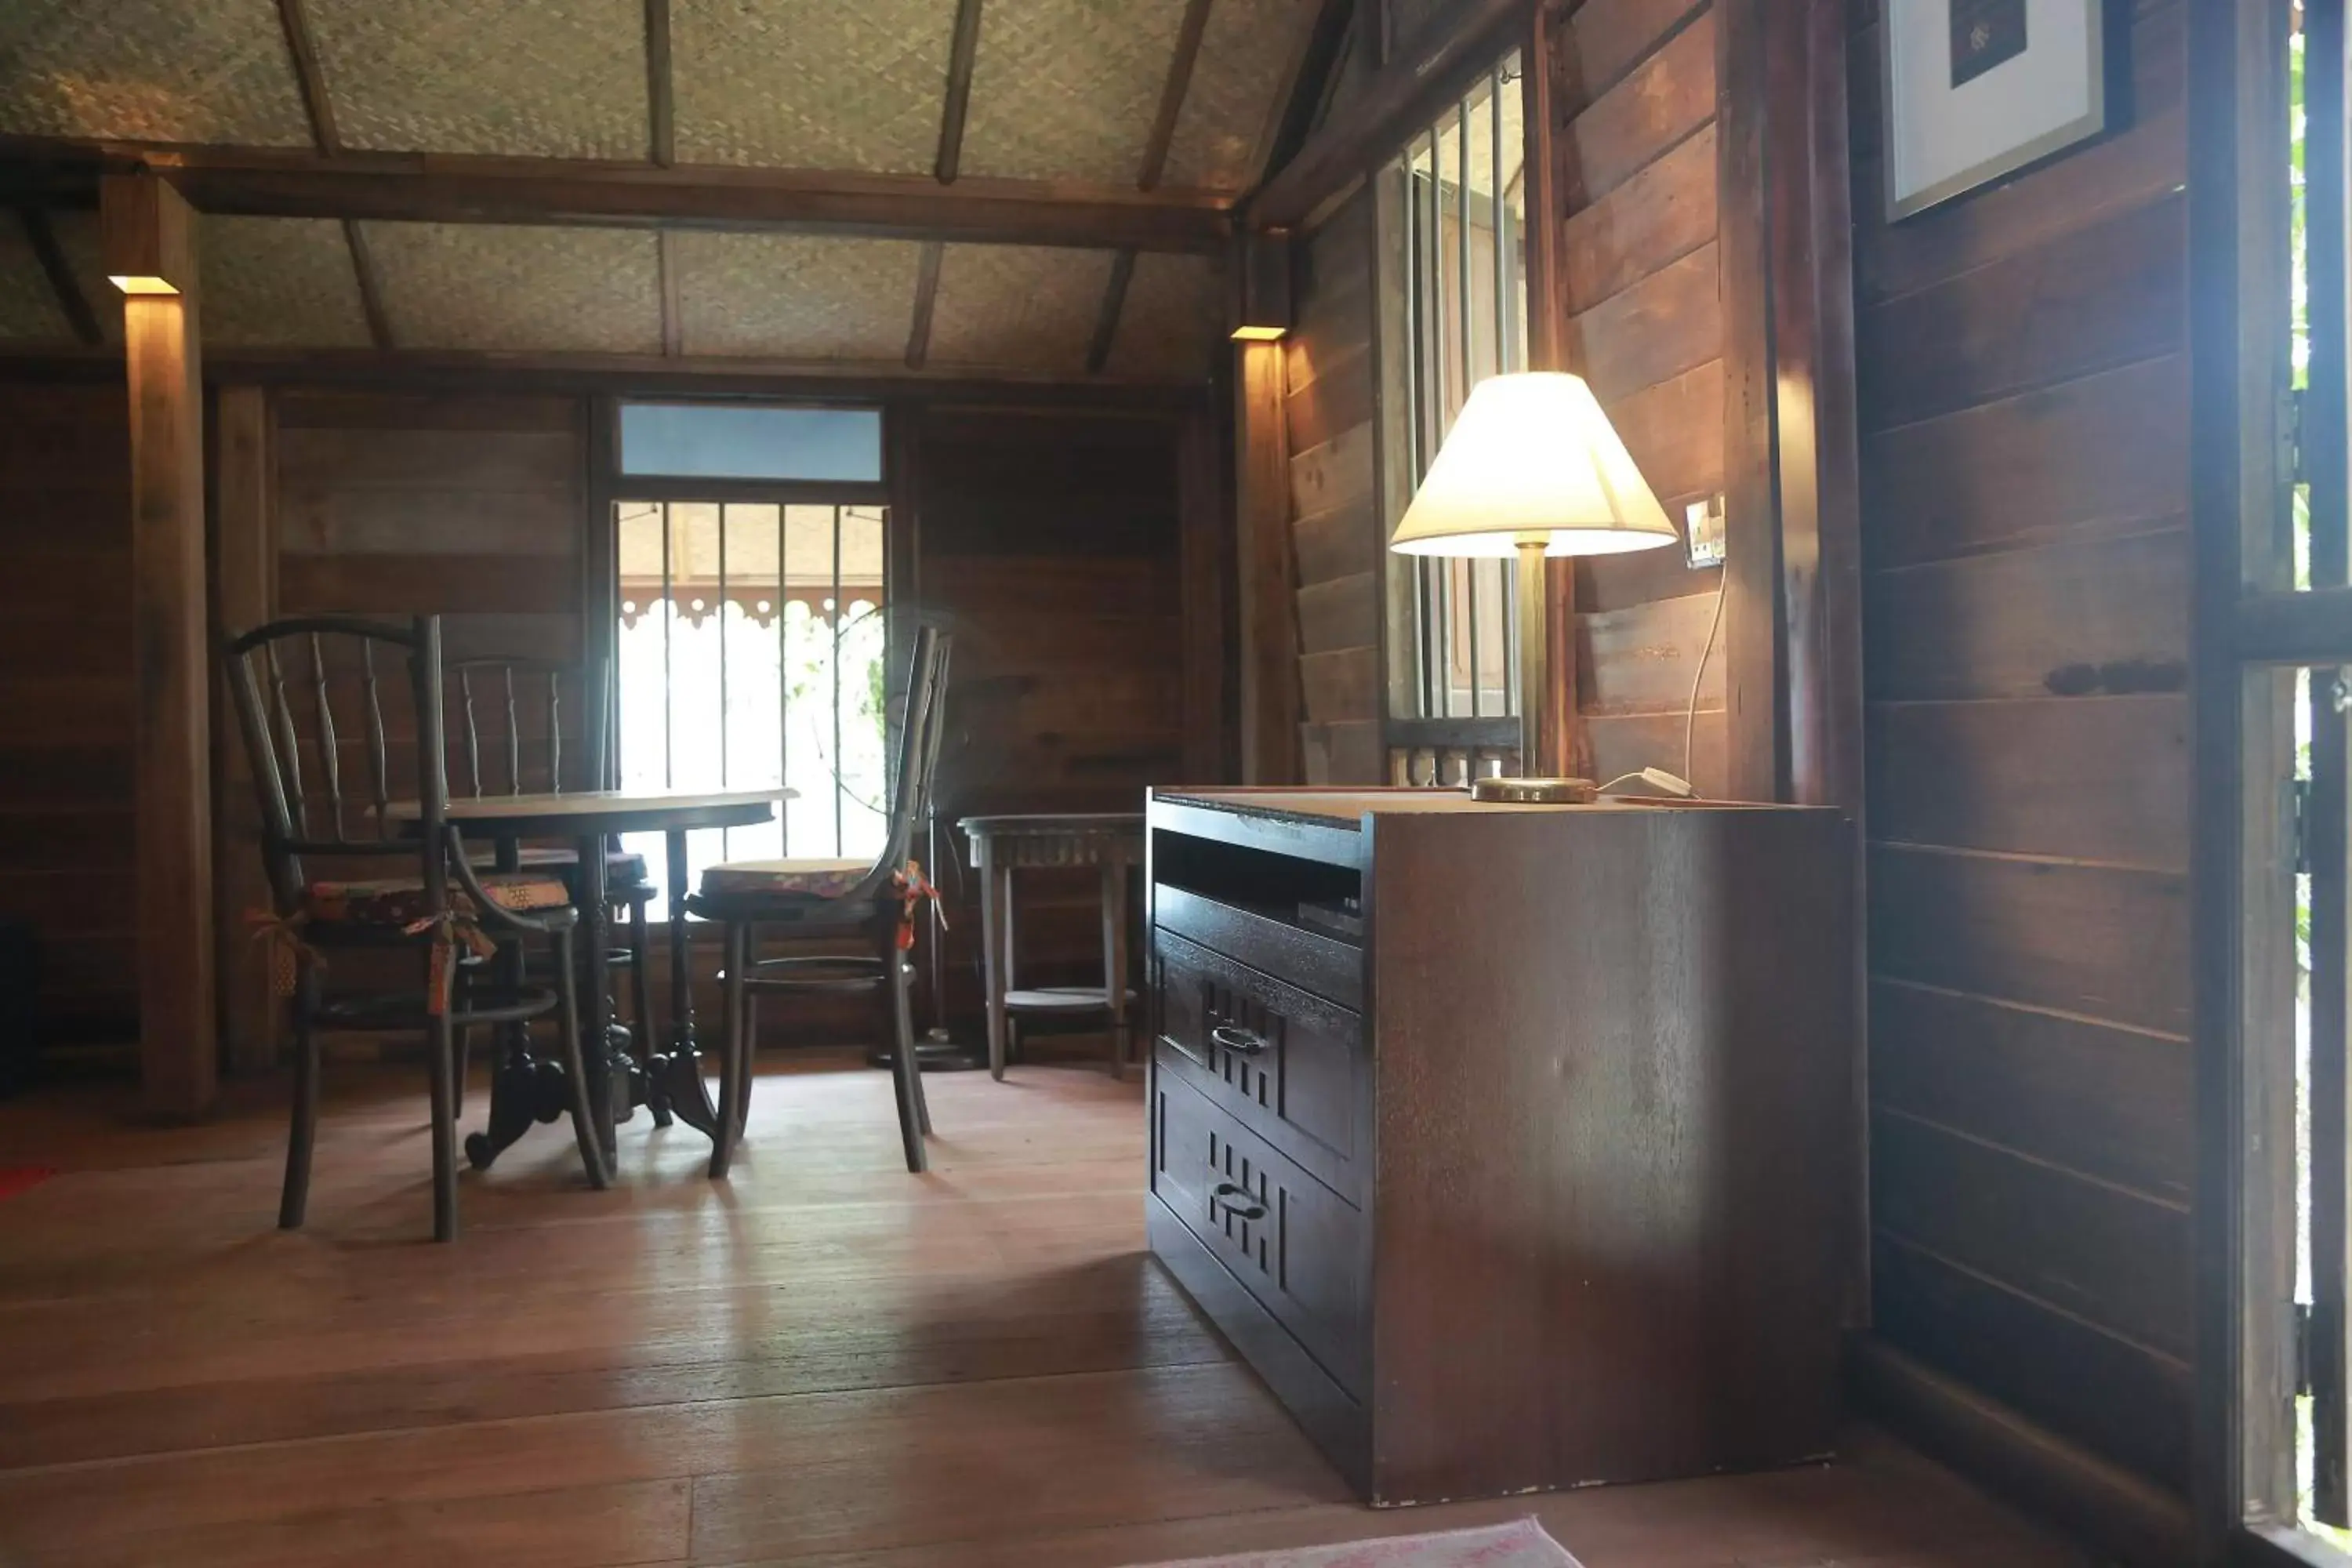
[1224, 1193]
[1233, 1037]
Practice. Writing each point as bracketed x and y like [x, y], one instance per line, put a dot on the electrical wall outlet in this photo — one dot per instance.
[1703, 532]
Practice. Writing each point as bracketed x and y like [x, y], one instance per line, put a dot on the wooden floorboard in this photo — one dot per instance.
[823, 1361]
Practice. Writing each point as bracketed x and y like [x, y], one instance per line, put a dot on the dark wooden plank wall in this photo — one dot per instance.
[1634, 145]
[1334, 512]
[1047, 543]
[65, 861]
[2024, 406]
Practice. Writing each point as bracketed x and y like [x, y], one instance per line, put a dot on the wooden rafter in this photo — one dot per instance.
[961, 57]
[673, 314]
[1430, 70]
[1114, 303]
[661, 99]
[476, 189]
[1309, 74]
[1172, 93]
[296, 23]
[379, 322]
[927, 296]
[72, 303]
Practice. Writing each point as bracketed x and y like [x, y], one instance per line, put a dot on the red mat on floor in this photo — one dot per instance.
[14, 1179]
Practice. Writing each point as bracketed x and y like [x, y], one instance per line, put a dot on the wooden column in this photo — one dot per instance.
[150, 245]
[1204, 564]
[1268, 579]
[245, 575]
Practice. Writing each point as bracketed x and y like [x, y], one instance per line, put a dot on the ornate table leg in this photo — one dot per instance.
[679, 1070]
[608, 1090]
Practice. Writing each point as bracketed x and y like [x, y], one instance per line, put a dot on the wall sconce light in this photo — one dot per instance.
[146, 234]
[1261, 277]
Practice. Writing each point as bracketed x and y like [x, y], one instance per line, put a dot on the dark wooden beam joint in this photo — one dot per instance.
[378, 324]
[661, 99]
[673, 309]
[1172, 93]
[927, 296]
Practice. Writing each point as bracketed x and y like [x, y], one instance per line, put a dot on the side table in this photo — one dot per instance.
[1003, 844]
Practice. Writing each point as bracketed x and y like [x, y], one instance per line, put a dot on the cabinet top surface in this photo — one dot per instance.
[1347, 808]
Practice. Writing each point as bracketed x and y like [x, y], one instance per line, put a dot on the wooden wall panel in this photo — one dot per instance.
[1066, 686]
[66, 853]
[1634, 93]
[1336, 535]
[2024, 408]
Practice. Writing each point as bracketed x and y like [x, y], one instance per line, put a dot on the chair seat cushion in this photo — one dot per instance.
[785, 878]
[400, 901]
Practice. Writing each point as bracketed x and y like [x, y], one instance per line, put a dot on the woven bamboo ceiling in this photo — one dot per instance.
[1033, 187]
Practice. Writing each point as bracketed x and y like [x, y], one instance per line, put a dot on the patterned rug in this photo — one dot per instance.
[14, 1179]
[1520, 1546]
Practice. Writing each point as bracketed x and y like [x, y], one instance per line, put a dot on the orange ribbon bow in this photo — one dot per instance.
[279, 937]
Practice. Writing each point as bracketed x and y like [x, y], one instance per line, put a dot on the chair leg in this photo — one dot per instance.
[641, 1005]
[575, 1071]
[731, 1055]
[922, 1099]
[296, 1196]
[440, 1036]
[748, 1055]
[906, 1073]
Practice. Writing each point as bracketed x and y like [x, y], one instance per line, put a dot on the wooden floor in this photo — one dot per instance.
[825, 1361]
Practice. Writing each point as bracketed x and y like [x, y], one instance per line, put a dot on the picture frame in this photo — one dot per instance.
[1974, 90]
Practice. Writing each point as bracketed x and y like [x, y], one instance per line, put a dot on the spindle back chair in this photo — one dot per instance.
[307, 692]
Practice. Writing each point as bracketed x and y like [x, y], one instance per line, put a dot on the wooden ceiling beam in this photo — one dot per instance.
[1305, 79]
[962, 57]
[1172, 93]
[72, 303]
[379, 322]
[926, 299]
[673, 311]
[1114, 305]
[296, 24]
[1430, 70]
[474, 189]
[661, 95]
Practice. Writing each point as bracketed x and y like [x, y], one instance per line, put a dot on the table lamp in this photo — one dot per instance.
[1532, 468]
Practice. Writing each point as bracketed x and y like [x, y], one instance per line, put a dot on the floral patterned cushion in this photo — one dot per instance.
[787, 878]
[400, 901]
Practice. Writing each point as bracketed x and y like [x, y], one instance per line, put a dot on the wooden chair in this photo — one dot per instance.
[510, 686]
[291, 696]
[844, 901]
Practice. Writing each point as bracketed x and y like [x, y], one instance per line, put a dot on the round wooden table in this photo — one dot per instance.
[525, 1089]
[1112, 841]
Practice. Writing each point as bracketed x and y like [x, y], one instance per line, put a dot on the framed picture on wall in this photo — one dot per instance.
[1975, 88]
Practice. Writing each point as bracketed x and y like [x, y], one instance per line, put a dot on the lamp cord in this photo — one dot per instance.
[1690, 714]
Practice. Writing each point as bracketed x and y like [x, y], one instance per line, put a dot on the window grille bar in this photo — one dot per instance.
[670, 616]
[839, 786]
[784, 683]
[1506, 361]
[1415, 459]
[1469, 358]
[719, 613]
[1440, 356]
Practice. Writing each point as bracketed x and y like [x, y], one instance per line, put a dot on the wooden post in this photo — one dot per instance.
[245, 571]
[1268, 583]
[150, 247]
[1204, 565]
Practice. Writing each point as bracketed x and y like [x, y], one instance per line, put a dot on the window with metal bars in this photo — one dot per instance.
[751, 650]
[1454, 229]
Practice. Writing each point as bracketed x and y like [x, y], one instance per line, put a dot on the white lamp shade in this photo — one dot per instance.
[1532, 457]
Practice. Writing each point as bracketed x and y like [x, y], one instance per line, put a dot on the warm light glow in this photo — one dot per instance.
[1532, 457]
[1258, 334]
[142, 285]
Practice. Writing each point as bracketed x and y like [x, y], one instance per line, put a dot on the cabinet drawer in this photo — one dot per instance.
[1292, 1242]
[1308, 960]
[1290, 1066]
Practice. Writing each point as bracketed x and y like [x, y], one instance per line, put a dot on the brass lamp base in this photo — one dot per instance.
[1535, 792]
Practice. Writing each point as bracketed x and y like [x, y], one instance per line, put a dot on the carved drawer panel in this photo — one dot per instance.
[1292, 1242]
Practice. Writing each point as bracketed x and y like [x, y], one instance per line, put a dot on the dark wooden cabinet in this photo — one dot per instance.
[1514, 1146]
